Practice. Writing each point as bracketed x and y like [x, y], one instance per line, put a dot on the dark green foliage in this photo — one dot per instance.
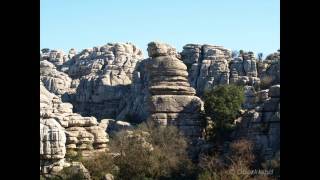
[222, 105]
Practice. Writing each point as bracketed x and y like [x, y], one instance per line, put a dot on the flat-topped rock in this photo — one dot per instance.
[156, 49]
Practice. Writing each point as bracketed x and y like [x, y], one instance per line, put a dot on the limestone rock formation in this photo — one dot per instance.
[115, 82]
[52, 145]
[243, 70]
[61, 129]
[269, 70]
[55, 81]
[134, 106]
[57, 57]
[262, 124]
[172, 99]
[207, 65]
[156, 49]
[102, 76]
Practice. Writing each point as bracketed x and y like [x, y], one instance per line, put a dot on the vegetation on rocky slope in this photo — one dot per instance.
[222, 105]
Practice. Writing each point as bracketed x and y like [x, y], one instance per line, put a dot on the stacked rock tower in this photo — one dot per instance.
[172, 100]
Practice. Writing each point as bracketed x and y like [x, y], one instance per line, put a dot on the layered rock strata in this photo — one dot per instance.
[62, 130]
[172, 100]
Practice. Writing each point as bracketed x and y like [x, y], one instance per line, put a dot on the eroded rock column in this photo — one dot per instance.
[172, 100]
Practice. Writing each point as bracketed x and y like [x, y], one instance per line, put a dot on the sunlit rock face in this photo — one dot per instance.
[208, 65]
[101, 77]
[172, 100]
[62, 130]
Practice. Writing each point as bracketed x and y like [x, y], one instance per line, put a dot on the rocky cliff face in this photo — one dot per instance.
[94, 80]
[207, 65]
[57, 57]
[61, 130]
[243, 70]
[54, 80]
[114, 81]
[262, 124]
[269, 70]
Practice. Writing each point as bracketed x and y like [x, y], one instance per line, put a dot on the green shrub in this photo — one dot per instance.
[99, 165]
[73, 155]
[222, 105]
[66, 173]
[152, 152]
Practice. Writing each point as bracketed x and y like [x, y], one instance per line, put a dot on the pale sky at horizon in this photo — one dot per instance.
[247, 24]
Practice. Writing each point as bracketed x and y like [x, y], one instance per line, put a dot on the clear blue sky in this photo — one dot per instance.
[235, 24]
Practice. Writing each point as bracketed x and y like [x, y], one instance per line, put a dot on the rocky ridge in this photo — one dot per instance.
[114, 81]
[95, 79]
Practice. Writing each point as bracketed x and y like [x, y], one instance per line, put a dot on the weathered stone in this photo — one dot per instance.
[269, 70]
[262, 125]
[102, 77]
[52, 139]
[243, 70]
[207, 66]
[167, 98]
[55, 81]
[156, 49]
[61, 129]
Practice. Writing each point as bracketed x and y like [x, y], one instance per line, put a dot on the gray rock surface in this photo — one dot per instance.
[114, 83]
[57, 57]
[269, 70]
[61, 130]
[102, 77]
[243, 70]
[207, 65]
[55, 81]
[172, 99]
[262, 124]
